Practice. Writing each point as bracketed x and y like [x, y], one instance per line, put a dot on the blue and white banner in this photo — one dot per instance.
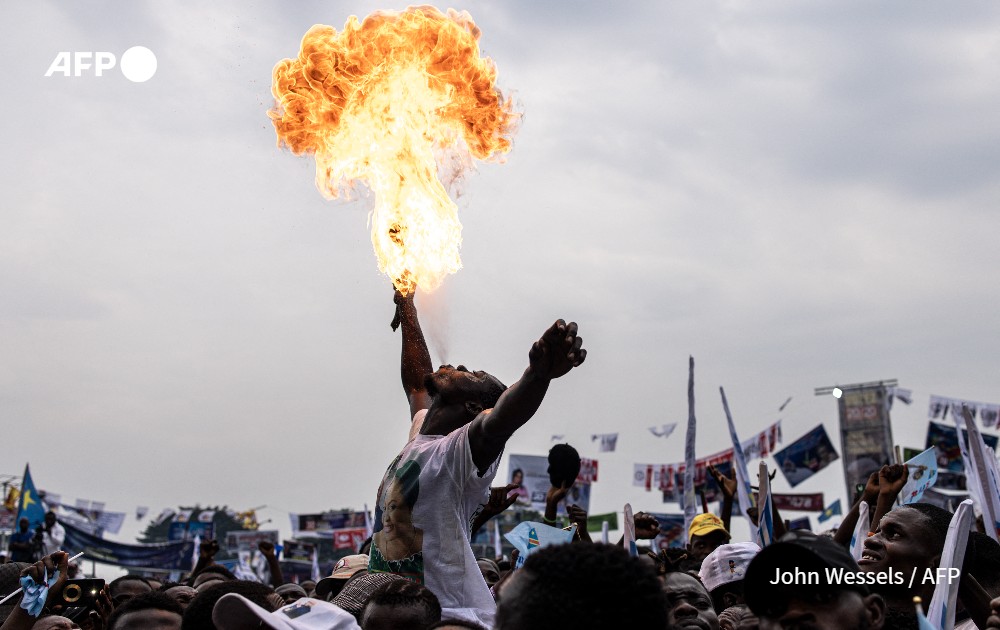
[171, 555]
[923, 473]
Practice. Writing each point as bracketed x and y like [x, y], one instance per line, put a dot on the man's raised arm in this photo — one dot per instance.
[556, 353]
[415, 359]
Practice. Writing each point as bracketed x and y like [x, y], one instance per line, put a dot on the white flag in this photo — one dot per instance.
[629, 540]
[197, 549]
[664, 430]
[497, 540]
[941, 612]
[608, 441]
[315, 565]
[861, 531]
[989, 492]
[743, 488]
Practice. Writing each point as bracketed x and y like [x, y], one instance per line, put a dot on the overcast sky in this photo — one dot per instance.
[796, 194]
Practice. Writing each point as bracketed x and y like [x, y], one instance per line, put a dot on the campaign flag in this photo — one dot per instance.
[806, 456]
[690, 508]
[989, 485]
[369, 529]
[831, 511]
[941, 611]
[798, 502]
[664, 430]
[629, 540]
[608, 441]
[765, 519]
[923, 473]
[348, 538]
[314, 574]
[29, 505]
[860, 531]
[743, 488]
[672, 534]
[529, 535]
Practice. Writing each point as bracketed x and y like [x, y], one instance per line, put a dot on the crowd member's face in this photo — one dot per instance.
[396, 516]
[840, 610]
[55, 622]
[903, 542]
[23, 524]
[149, 619]
[182, 594]
[128, 589]
[489, 573]
[701, 546]
[688, 603]
[383, 617]
[50, 519]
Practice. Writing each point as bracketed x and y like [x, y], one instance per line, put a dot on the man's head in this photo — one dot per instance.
[705, 535]
[180, 593]
[211, 574]
[723, 570]
[346, 568]
[126, 587]
[50, 518]
[738, 618]
[475, 391]
[290, 592]
[564, 465]
[55, 622]
[356, 592]
[581, 586]
[153, 611]
[23, 524]
[490, 571]
[198, 615]
[688, 602]
[401, 605]
[908, 538]
[801, 594]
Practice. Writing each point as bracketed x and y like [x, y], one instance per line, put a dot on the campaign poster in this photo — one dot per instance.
[865, 433]
[672, 534]
[297, 551]
[806, 456]
[531, 471]
[944, 439]
[237, 541]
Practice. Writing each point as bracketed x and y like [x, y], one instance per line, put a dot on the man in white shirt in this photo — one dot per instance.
[53, 534]
[431, 492]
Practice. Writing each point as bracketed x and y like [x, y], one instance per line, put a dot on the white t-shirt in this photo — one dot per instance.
[52, 541]
[428, 498]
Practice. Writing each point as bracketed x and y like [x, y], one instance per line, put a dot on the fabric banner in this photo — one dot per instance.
[532, 472]
[860, 531]
[941, 611]
[690, 509]
[238, 540]
[665, 477]
[951, 469]
[608, 441]
[830, 512]
[744, 488]
[326, 522]
[171, 555]
[941, 406]
[982, 457]
[923, 473]
[297, 551]
[664, 430]
[349, 538]
[806, 456]
[765, 516]
[798, 502]
[865, 433]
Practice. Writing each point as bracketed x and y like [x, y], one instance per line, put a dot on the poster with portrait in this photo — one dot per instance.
[531, 471]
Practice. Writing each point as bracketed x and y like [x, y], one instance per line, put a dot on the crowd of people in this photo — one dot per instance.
[418, 570]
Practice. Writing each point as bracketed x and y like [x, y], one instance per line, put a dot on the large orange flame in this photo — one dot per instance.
[385, 102]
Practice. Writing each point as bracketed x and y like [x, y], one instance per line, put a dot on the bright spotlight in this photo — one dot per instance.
[837, 392]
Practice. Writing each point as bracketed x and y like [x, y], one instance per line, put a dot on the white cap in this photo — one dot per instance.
[728, 563]
[235, 612]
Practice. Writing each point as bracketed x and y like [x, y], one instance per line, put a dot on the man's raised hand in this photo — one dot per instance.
[557, 352]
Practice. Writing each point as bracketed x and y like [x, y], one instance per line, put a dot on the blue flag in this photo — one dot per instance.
[832, 510]
[29, 505]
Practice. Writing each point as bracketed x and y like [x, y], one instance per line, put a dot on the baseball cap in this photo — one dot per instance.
[235, 612]
[798, 550]
[706, 523]
[344, 570]
[727, 563]
[354, 596]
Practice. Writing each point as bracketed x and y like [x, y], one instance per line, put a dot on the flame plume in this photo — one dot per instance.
[384, 103]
